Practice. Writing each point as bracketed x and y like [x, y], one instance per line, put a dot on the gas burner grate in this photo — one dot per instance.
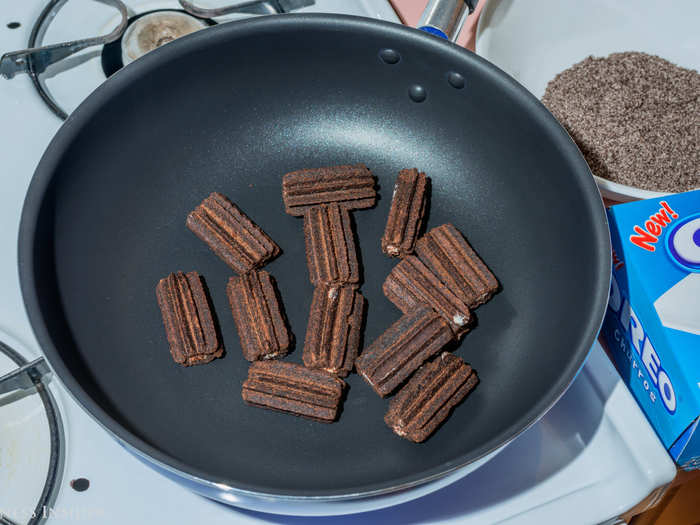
[36, 59]
[29, 376]
[39, 29]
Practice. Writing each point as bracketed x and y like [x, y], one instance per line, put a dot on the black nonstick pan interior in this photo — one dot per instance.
[232, 109]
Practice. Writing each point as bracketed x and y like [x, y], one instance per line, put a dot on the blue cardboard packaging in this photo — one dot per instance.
[652, 325]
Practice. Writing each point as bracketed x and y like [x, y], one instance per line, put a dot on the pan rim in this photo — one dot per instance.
[43, 176]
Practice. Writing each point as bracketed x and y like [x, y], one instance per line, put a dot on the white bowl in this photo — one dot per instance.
[617, 192]
[533, 41]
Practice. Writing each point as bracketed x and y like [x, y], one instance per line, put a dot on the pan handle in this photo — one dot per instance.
[445, 18]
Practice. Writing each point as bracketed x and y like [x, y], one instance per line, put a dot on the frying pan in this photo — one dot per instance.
[233, 108]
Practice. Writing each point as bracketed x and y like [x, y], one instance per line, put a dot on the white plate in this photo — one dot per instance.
[533, 41]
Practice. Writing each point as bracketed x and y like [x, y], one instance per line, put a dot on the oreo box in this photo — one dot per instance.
[652, 325]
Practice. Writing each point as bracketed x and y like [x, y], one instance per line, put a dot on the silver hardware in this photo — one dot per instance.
[25, 377]
[39, 58]
[254, 7]
[446, 16]
[32, 374]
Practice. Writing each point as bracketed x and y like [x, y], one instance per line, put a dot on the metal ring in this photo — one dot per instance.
[53, 416]
[33, 38]
[47, 14]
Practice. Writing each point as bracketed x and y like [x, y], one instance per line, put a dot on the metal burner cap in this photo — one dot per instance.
[155, 29]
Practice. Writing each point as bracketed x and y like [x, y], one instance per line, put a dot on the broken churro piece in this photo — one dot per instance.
[448, 255]
[351, 186]
[231, 234]
[188, 320]
[406, 213]
[402, 349]
[411, 285]
[258, 316]
[333, 332]
[292, 388]
[429, 397]
[330, 245]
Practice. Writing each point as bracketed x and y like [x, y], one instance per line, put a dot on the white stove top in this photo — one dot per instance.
[590, 458]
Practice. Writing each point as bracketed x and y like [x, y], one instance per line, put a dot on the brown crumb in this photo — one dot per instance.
[635, 117]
